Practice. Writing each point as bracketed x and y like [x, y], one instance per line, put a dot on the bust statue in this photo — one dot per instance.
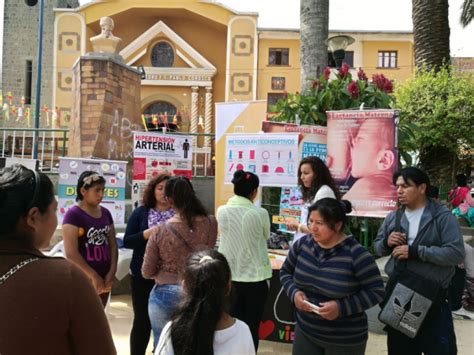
[106, 42]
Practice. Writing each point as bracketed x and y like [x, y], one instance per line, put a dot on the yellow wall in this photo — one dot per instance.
[405, 60]
[291, 72]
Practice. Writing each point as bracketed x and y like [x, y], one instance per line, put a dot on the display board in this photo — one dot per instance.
[362, 157]
[158, 153]
[114, 173]
[273, 157]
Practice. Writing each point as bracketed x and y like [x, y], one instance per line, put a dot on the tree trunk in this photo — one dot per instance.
[314, 30]
[440, 164]
[431, 33]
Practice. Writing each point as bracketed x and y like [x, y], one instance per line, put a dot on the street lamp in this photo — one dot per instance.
[141, 71]
[38, 72]
[337, 46]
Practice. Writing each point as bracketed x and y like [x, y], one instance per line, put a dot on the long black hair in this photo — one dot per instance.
[20, 190]
[180, 190]
[206, 286]
[321, 176]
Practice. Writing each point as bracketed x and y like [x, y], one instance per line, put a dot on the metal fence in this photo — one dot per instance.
[53, 144]
[19, 142]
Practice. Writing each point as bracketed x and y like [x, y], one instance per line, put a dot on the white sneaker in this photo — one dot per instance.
[461, 313]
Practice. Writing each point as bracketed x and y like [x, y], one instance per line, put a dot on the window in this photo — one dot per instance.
[272, 99]
[348, 59]
[162, 55]
[28, 79]
[278, 56]
[387, 59]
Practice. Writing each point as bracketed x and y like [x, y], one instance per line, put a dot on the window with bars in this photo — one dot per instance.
[278, 56]
[387, 59]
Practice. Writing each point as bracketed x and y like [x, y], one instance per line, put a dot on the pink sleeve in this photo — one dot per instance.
[468, 199]
[151, 260]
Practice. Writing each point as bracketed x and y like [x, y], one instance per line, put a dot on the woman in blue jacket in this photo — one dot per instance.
[141, 225]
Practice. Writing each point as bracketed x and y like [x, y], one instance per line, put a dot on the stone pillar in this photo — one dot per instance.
[194, 110]
[106, 108]
[208, 117]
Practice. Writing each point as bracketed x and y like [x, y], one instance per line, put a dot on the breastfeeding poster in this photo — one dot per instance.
[158, 153]
[311, 142]
[114, 173]
[362, 157]
[273, 157]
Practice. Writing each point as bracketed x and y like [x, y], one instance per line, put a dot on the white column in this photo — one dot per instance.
[194, 111]
[208, 117]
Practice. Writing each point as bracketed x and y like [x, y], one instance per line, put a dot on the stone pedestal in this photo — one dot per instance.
[106, 108]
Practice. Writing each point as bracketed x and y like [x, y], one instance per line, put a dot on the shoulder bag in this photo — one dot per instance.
[409, 297]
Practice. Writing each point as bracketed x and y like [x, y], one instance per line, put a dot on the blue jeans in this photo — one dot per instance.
[162, 302]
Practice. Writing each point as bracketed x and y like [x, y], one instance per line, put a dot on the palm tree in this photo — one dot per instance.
[314, 30]
[467, 12]
[431, 32]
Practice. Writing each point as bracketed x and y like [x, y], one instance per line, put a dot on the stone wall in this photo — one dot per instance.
[20, 43]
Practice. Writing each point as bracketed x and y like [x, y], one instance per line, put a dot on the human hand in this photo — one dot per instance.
[400, 252]
[98, 284]
[396, 238]
[329, 310]
[109, 281]
[149, 232]
[299, 299]
[292, 226]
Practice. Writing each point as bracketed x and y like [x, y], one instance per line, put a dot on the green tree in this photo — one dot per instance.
[467, 12]
[314, 30]
[441, 104]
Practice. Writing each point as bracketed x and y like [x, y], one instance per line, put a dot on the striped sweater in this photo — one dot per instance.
[346, 273]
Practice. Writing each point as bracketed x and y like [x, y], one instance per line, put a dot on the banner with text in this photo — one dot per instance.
[114, 173]
[158, 153]
[273, 157]
[311, 142]
[363, 156]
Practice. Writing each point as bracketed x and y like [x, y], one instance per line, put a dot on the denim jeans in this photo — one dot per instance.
[161, 304]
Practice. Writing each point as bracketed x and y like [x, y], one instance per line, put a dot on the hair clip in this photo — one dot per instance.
[204, 258]
[90, 179]
[247, 176]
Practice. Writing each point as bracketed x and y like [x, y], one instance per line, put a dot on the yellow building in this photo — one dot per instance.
[197, 52]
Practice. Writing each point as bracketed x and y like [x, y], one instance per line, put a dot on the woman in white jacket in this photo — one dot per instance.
[316, 183]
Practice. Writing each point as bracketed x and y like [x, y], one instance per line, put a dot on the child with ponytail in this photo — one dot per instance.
[201, 324]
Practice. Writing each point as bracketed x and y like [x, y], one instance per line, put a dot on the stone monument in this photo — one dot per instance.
[106, 101]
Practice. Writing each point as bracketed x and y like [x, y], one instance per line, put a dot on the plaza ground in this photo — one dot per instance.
[120, 317]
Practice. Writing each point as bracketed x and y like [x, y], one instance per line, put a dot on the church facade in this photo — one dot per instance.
[198, 52]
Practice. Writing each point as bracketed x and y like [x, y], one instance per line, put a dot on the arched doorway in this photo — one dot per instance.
[161, 114]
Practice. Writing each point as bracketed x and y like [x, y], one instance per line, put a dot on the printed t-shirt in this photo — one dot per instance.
[92, 238]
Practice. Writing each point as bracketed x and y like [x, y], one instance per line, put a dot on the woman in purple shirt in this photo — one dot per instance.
[89, 234]
[141, 225]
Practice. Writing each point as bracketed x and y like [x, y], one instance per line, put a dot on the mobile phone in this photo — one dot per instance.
[313, 306]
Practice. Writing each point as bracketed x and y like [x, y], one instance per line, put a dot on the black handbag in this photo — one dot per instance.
[409, 297]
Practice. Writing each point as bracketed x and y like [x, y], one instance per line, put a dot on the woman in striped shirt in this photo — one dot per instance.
[332, 280]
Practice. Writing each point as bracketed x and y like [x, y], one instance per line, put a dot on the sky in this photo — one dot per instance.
[345, 15]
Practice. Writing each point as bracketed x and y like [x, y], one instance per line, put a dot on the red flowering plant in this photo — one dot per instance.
[341, 92]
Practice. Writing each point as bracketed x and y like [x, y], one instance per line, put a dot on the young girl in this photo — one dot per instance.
[201, 324]
[89, 234]
[315, 182]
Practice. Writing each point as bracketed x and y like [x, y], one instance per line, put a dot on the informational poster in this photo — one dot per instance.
[242, 117]
[311, 142]
[114, 173]
[362, 157]
[273, 157]
[158, 153]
